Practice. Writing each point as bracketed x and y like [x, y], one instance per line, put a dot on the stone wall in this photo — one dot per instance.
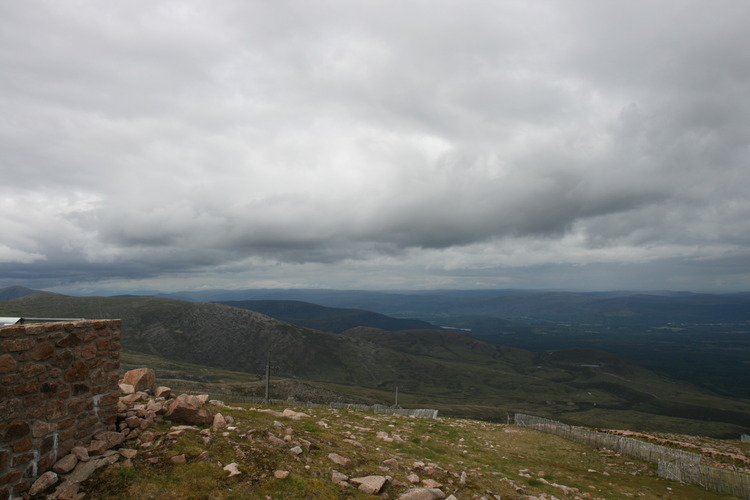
[58, 386]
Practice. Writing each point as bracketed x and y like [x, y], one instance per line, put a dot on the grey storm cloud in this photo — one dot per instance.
[375, 144]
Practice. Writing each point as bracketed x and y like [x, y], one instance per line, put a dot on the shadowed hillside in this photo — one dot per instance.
[428, 366]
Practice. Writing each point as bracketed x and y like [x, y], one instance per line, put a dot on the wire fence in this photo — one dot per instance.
[711, 478]
[621, 444]
[745, 438]
[379, 409]
[674, 464]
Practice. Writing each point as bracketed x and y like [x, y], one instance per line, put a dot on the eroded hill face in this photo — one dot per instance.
[441, 367]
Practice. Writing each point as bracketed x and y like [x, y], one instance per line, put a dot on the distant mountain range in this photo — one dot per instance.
[328, 319]
[442, 367]
[612, 308]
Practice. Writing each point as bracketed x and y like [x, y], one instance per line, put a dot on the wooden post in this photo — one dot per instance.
[268, 374]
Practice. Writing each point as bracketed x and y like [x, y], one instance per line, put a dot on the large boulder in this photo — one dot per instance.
[142, 379]
[189, 410]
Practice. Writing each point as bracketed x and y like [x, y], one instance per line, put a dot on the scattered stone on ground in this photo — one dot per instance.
[392, 474]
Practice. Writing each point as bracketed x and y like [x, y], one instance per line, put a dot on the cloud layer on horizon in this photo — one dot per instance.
[375, 144]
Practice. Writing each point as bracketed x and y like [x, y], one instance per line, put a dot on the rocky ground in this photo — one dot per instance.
[188, 447]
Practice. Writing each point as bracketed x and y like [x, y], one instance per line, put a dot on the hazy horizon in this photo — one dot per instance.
[489, 291]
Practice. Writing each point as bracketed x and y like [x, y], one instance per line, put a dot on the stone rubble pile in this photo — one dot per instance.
[140, 406]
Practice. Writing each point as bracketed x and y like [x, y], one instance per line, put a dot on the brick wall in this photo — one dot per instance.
[58, 386]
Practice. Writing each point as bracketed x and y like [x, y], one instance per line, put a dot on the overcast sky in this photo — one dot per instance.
[181, 145]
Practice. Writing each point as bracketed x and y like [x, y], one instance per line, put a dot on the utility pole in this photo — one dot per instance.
[396, 404]
[268, 374]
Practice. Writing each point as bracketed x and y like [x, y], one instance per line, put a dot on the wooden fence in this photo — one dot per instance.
[674, 464]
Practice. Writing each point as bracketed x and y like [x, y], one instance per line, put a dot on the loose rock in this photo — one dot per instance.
[422, 494]
[163, 392]
[339, 460]
[338, 477]
[190, 410]
[232, 469]
[219, 422]
[276, 441]
[43, 482]
[294, 415]
[65, 464]
[127, 389]
[81, 452]
[431, 484]
[370, 484]
[142, 379]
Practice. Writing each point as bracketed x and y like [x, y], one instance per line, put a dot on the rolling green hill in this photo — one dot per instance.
[445, 368]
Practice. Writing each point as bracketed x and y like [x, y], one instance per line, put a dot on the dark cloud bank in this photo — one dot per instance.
[175, 145]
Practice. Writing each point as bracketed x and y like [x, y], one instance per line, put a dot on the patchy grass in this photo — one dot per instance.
[493, 459]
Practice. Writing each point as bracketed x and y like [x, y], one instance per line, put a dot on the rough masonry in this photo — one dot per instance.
[58, 387]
